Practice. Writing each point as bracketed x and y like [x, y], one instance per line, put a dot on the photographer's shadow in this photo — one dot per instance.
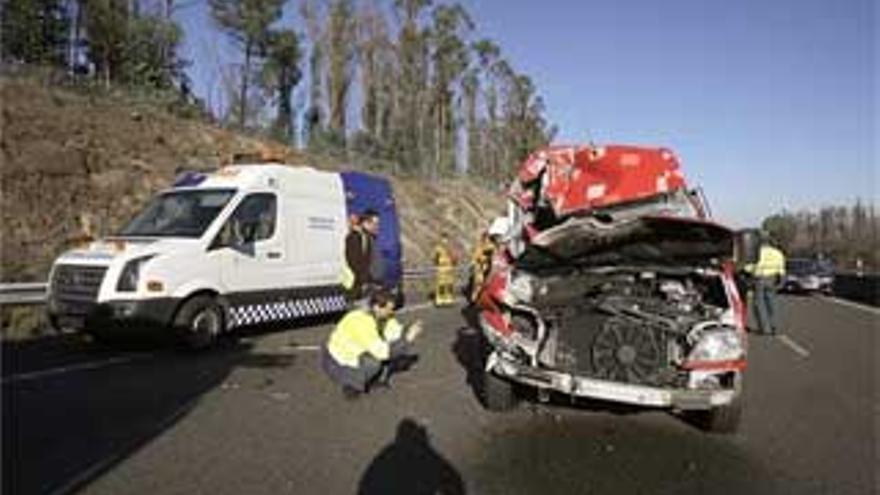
[410, 465]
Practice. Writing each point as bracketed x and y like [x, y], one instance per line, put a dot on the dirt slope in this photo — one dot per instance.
[74, 165]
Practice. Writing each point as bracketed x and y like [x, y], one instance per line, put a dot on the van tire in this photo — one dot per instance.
[199, 322]
[498, 394]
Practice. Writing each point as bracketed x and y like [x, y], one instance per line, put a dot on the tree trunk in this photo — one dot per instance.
[285, 112]
[242, 103]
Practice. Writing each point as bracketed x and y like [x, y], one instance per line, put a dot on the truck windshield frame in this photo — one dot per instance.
[185, 213]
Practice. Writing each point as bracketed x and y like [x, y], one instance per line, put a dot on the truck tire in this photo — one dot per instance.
[722, 419]
[199, 322]
[498, 394]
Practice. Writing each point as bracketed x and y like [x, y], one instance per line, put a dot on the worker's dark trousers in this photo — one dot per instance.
[367, 370]
[764, 303]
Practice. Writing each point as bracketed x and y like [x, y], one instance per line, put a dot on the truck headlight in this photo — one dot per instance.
[520, 287]
[717, 345]
[131, 273]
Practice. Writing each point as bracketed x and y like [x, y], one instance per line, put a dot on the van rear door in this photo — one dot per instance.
[365, 191]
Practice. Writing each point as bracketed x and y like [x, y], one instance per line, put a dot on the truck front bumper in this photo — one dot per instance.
[581, 386]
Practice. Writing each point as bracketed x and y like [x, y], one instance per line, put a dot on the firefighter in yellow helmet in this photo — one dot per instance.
[481, 261]
[444, 263]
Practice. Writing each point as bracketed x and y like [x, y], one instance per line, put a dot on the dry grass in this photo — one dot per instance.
[74, 165]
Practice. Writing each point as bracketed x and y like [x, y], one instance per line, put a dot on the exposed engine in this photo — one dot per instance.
[614, 284]
[632, 326]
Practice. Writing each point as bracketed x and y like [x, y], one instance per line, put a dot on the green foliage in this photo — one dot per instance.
[148, 54]
[106, 26]
[782, 228]
[124, 46]
[34, 31]
[450, 58]
[422, 90]
[280, 75]
[341, 37]
[248, 23]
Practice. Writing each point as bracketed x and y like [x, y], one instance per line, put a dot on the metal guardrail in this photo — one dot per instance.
[35, 292]
[863, 289]
[21, 294]
[860, 288]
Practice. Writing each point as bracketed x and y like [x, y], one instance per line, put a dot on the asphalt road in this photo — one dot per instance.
[259, 417]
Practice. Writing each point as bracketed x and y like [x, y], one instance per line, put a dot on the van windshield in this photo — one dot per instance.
[179, 213]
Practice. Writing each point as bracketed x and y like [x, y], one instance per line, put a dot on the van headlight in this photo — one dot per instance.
[717, 345]
[131, 273]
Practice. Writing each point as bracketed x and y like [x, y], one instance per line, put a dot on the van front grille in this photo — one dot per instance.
[75, 288]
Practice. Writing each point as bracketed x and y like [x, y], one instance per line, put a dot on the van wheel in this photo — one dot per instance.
[498, 393]
[200, 322]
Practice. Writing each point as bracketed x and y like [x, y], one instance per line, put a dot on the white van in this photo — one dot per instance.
[247, 244]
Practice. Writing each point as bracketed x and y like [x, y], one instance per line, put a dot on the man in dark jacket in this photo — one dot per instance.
[359, 246]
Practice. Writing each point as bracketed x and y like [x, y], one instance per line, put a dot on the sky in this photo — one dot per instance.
[769, 104]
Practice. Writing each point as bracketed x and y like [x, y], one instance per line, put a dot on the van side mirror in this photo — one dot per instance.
[746, 247]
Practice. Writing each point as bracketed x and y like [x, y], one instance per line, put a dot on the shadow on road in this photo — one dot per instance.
[576, 453]
[64, 430]
[470, 351]
[409, 465]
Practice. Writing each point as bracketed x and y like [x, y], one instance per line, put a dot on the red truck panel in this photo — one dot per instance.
[578, 178]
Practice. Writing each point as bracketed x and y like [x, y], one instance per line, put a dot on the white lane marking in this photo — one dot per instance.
[305, 347]
[91, 365]
[854, 305]
[794, 346]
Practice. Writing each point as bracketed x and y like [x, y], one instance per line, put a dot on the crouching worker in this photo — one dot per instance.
[368, 345]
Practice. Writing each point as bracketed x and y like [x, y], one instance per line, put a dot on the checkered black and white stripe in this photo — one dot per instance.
[254, 314]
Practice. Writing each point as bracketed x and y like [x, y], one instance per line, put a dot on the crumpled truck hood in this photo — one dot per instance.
[647, 240]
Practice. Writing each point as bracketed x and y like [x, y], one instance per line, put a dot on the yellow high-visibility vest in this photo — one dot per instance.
[354, 335]
[347, 277]
[771, 263]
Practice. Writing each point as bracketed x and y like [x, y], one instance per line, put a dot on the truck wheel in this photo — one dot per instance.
[199, 322]
[498, 393]
[722, 419]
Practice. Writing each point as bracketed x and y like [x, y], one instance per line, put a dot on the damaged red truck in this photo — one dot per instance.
[614, 284]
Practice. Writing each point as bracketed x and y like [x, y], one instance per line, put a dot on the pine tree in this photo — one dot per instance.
[314, 116]
[341, 32]
[450, 60]
[106, 27]
[408, 122]
[281, 73]
[34, 31]
[248, 23]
